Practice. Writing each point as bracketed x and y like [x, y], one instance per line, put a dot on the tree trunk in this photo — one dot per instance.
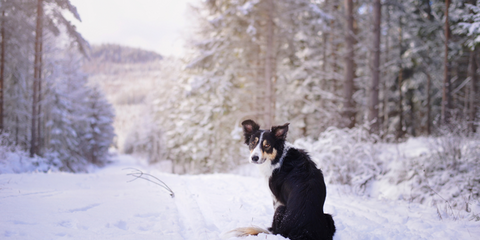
[269, 61]
[410, 99]
[374, 87]
[334, 50]
[258, 90]
[384, 83]
[400, 82]
[325, 47]
[36, 77]
[2, 69]
[446, 98]
[429, 107]
[39, 98]
[348, 106]
[473, 67]
[400, 104]
[473, 91]
[40, 118]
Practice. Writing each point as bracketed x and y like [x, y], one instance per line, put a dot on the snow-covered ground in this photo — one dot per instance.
[106, 204]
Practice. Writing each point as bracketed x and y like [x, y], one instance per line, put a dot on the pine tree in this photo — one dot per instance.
[99, 132]
[78, 118]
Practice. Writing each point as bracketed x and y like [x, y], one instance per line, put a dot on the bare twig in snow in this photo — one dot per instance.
[146, 176]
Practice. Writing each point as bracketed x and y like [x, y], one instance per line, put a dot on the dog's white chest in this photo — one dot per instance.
[266, 169]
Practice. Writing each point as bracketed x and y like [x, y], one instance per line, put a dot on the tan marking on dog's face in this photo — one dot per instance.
[253, 144]
[266, 148]
[269, 156]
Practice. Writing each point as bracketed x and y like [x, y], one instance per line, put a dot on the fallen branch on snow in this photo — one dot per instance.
[146, 176]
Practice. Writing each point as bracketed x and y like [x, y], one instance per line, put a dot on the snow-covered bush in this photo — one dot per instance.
[439, 171]
[6, 144]
[449, 177]
[347, 156]
[14, 160]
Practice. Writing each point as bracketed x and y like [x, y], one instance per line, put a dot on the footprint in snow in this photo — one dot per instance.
[121, 225]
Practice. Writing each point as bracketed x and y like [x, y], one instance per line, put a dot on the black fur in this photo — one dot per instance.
[298, 186]
[249, 128]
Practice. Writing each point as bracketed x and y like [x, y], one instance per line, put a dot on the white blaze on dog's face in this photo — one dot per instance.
[255, 149]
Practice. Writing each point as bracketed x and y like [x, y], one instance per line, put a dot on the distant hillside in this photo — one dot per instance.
[114, 53]
[117, 59]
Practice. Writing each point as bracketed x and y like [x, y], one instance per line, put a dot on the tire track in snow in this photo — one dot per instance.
[42, 194]
[191, 219]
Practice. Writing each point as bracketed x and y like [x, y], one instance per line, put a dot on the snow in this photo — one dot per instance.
[107, 204]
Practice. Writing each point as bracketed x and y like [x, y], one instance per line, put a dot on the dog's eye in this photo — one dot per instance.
[254, 142]
[266, 145]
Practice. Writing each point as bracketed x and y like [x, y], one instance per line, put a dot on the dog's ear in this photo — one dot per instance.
[280, 132]
[249, 127]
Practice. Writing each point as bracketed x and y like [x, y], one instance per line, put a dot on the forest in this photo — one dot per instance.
[47, 108]
[397, 69]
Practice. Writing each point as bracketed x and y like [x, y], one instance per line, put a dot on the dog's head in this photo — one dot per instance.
[264, 144]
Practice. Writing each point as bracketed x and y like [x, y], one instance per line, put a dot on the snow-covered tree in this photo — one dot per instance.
[99, 133]
[233, 51]
[78, 118]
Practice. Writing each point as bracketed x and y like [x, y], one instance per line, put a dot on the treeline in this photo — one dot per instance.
[115, 53]
[399, 68]
[47, 108]
[117, 59]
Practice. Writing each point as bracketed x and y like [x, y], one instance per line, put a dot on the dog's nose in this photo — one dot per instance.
[255, 158]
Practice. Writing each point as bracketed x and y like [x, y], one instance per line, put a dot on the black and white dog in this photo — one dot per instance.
[296, 184]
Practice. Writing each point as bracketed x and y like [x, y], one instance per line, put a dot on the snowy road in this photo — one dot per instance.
[104, 205]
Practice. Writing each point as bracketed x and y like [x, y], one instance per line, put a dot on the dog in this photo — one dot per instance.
[297, 186]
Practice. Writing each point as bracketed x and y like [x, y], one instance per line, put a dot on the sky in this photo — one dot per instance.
[156, 25]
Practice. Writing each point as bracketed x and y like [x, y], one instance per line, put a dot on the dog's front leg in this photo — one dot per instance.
[277, 219]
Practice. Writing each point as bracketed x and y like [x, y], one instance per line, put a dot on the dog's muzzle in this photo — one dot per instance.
[257, 160]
